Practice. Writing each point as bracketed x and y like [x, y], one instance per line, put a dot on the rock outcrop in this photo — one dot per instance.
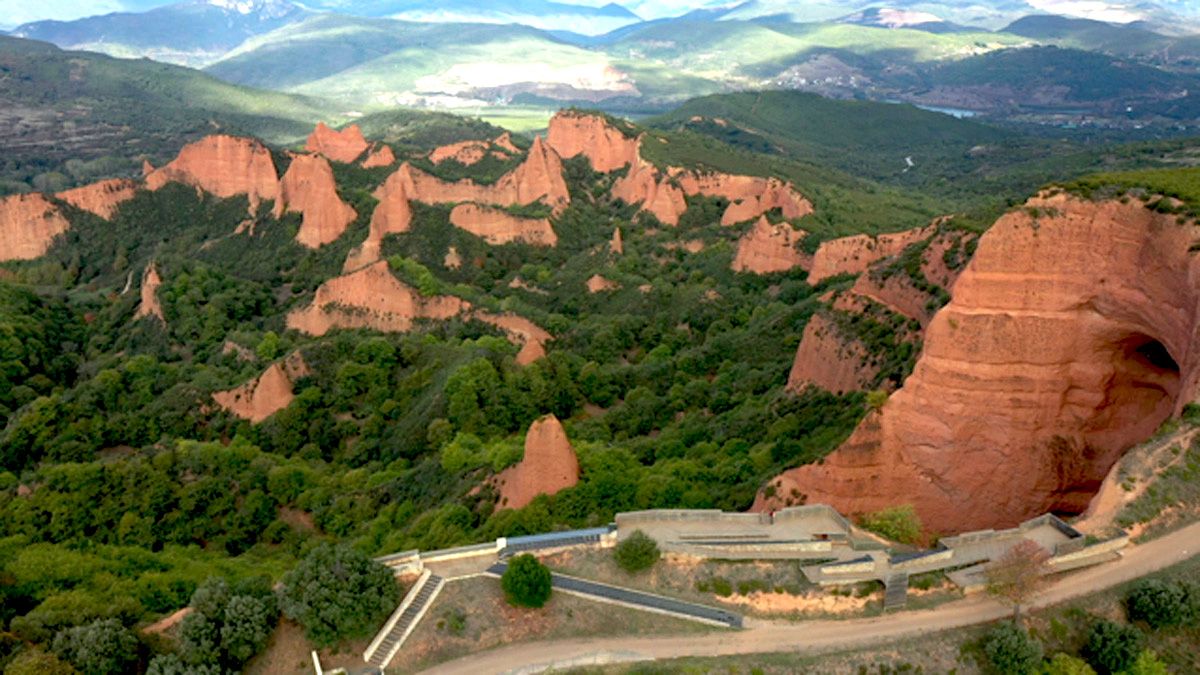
[598, 284]
[853, 255]
[469, 153]
[607, 148]
[393, 215]
[616, 245]
[500, 227]
[538, 179]
[370, 298]
[548, 467]
[647, 186]
[520, 331]
[768, 248]
[266, 394]
[28, 226]
[830, 360]
[149, 305]
[101, 198]
[381, 156]
[343, 146]
[1069, 339]
[224, 166]
[308, 188]
[749, 196]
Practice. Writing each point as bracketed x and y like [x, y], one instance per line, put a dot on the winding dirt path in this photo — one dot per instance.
[817, 636]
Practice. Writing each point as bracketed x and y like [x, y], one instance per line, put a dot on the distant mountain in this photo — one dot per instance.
[888, 17]
[543, 14]
[1090, 35]
[193, 32]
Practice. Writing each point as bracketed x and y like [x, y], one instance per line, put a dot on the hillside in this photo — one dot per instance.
[66, 117]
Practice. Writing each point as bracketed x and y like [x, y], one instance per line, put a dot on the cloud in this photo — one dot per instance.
[16, 12]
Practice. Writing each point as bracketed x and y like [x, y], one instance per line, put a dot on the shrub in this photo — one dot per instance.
[337, 592]
[526, 582]
[722, 587]
[1111, 647]
[34, 661]
[1011, 651]
[103, 646]
[637, 553]
[899, 523]
[1159, 603]
[1147, 663]
[1065, 664]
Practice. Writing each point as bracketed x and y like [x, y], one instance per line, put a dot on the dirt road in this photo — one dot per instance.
[817, 636]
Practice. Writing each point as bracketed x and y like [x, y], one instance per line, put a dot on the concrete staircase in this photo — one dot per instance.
[404, 620]
[895, 595]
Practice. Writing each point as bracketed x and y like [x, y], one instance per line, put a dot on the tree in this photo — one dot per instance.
[1111, 647]
[1011, 651]
[637, 552]
[899, 523]
[526, 582]
[1065, 664]
[171, 664]
[1159, 603]
[337, 592]
[248, 622]
[101, 647]
[1147, 663]
[1016, 576]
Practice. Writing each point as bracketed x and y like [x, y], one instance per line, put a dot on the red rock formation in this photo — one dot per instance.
[521, 331]
[749, 196]
[598, 284]
[656, 194]
[548, 467]
[101, 198]
[1069, 338]
[895, 292]
[616, 245]
[224, 166]
[308, 187]
[150, 306]
[343, 146]
[500, 227]
[147, 168]
[538, 179]
[830, 360]
[393, 215]
[452, 261]
[370, 298]
[505, 144]
[768, 248]
[28, 225]
[380, 156]
[266, 394]
[469, 153]
[608, 148]
[853, 255]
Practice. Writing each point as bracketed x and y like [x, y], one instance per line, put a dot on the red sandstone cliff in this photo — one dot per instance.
[500, 227]
[224, 166]
[150, 306]
[266, 394]
[645, 185]
[607, 148]
[380, 156]
[520, 331]
[616, 245]
[830, 360]
[28, 226]
[548, 467]
[392, 215]
[852, 255]
[768, 248]
[469, 153]
[370, 298]
[308, 187]
[1069, 338]
[101, 198]
[343, 146]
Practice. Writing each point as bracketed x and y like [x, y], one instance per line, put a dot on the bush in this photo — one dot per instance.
[337, 593]
[637, 553]
[1111, 647]
[1160, 604]
[526, 582]
[103, 646]
[899, 523]
[1147, 664]
[1065, 664]
[1011, 651]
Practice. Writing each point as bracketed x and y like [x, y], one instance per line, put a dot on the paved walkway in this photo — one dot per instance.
[636, 599]
[817, 636]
